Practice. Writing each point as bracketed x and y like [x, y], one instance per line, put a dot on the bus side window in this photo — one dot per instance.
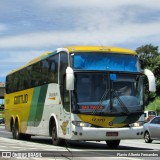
[52, 72]
[15, 82]
[9, 81]
[53, 68]
[36, 74]
[45, 70]
[62, 71]
[21, 80]
[28, 76]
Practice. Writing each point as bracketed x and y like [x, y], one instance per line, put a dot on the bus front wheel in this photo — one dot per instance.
[113, 143]
[55, 140]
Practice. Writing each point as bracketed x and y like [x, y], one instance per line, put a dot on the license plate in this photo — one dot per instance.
[111, 133]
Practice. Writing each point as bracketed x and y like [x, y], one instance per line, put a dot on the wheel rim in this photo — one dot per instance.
[147, 137]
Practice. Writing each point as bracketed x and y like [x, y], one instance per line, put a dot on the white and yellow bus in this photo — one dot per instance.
[85, 93]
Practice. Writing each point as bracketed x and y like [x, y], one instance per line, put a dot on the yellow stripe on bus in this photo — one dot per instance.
[101, 121]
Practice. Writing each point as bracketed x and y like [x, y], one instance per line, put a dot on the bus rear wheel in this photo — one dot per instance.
[55, 140]
[13, 131]
[113, 143]
[18, 135]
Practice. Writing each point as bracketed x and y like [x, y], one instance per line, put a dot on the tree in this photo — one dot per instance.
[149, 57]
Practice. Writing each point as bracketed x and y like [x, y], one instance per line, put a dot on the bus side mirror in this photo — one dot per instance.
[69, 79]
[151, 80]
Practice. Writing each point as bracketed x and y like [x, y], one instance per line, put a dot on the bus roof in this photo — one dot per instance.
[99, 49]
[72, 49]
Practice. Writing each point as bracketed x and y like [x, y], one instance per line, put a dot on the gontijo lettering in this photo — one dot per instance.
[21, 99]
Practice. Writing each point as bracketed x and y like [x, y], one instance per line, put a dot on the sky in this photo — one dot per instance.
[30, 28]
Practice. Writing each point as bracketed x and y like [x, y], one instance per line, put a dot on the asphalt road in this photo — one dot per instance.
[128, 149]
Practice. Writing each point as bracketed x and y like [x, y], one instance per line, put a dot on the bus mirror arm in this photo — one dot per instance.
[151, 80]
[69, 79]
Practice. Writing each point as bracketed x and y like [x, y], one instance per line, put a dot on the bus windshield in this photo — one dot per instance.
[105, 93]
[105, 61]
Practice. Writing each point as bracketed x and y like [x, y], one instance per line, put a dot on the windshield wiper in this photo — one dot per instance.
[101, 101]
[114, 93]
[123, 106]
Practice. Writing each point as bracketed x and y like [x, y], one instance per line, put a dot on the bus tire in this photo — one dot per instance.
[18, 135]
[27, 137]
[13, 131]
[113, 143]
[55, 140]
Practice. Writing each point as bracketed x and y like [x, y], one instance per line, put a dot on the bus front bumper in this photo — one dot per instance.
[99, 134]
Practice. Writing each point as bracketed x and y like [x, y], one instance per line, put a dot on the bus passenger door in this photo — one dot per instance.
[65, 98]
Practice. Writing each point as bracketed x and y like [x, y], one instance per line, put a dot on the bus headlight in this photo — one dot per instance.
[137, 124]
[81, 124]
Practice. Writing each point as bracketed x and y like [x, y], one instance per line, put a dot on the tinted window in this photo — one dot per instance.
[64, 92]
[8, 84]
[36, 74]
[15, 81]
[21, 80]
[27, 77]
[63, 66]
[45, 72]
[40, 73]
[156, 120]
[53, 68]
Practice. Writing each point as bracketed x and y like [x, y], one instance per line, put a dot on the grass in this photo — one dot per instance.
[155, 105]
[1, 114]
